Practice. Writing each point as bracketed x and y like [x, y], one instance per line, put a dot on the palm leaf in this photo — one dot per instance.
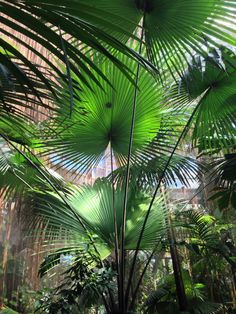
[146, 176]
[201, 227]
[223, 171]
[212, 86]
[17, 174]
[207, 236]
[163, 300]
[174, 30]
[42, 20]
[223, 176]
[108, 111]
[16, 100]
[94, 206]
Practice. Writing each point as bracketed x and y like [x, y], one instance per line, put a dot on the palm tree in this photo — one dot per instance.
[141, 118]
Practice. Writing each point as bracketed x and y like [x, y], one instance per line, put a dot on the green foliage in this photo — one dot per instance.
[224, 178]
[94, 206]
[174, 30]
[20, 173]
[211, 83]
[85, 284]
[41, 21]
[145, 176]
[164, 299]
[97, 89]
[7, 310]
[108, 110]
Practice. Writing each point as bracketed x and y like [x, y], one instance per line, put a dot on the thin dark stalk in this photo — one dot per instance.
[154, 196]
[105, 302]
[54, 189]
[144, 270]
[141, 279]
[179, 283]
[113, 303]
[123, 225]
[115, 224]
[117, 257]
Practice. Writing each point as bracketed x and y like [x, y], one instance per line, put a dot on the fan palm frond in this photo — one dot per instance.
[223, 176]
[182, 170]
[102, 117]
[94, 206]
[174, 30]
[212, 86]
[48, 23]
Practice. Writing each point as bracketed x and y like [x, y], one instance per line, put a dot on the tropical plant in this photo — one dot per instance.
[47, 23]
[100, 101]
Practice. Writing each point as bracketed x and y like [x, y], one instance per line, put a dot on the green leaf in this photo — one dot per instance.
[108, 111]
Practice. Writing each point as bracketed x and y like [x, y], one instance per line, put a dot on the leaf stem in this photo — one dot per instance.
[123, 225]
[154, 196]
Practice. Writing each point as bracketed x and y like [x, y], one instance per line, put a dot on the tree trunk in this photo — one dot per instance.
[180, 290]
